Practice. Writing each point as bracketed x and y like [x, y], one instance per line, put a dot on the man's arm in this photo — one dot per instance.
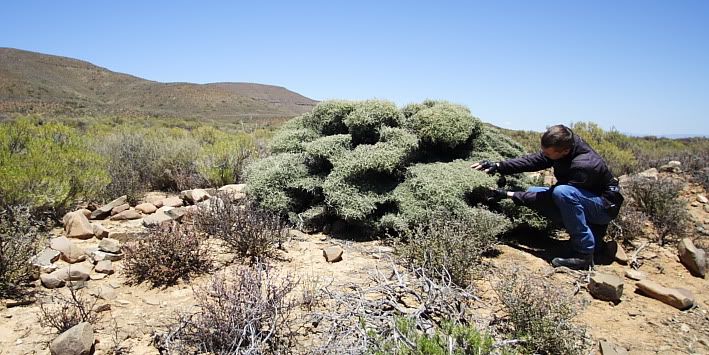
[532, 162]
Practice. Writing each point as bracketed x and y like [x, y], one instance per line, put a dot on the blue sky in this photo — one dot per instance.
[639, 66]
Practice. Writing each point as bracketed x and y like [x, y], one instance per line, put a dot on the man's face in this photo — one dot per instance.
[554, 153]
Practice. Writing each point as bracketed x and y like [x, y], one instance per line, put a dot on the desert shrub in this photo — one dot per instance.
[222, 161]
[451, 248]
[493, 145]
[444, 124]
[166, 255]
[245, 312]
[62, 312]
[660, 201]
[247, 230]
[47, 165]
[541, 315]
[628, 225]
[19, 242]
[387, 170]
[448, 339]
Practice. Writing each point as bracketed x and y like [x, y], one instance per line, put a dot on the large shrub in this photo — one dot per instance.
[47, 165]
[372, 164]
[19, 241]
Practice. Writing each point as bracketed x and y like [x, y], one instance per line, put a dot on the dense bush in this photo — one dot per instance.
[47, 165]
[451, 248]
[245, 312]
[660, 201]
[247, 230]
[166, 255]
[541, 315]
[19, 241]
[369, 163]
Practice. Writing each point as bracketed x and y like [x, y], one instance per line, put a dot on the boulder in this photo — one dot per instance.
[78, 340]
[146, 208]
[693, 258]
[110, 245]
[78, 226]
[51, 281]
[120, 208]
[105, 210]
[156, 219]
[333, 254]
[104, 267]
[606, 287]
[671, 167]
[126, 215]
[172, 202]
[100, 231]
[194, 196]
[177, 213]
[233, 191]
[676, 297]
[98, 255]
[69, 251]
[702, 199]
[78, 272]
[46, 257]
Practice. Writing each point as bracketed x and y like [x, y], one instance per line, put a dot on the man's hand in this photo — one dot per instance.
[486, 166]
[496, 195]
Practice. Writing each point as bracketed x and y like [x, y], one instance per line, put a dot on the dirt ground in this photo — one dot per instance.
[639, 324]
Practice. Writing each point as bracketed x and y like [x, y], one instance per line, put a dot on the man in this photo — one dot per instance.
[584, 200]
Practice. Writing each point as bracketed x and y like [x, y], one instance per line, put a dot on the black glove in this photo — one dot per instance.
[496, 195]
[488, 166]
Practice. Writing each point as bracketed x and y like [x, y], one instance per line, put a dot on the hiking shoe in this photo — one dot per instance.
[581, 262]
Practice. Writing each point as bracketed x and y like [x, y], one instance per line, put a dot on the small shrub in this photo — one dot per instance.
[448, 339]
[628, 225]
[451, 249]
[19, 241]
[660, 201]
[166, 255]
[248, 231]
[541, 315]
[247, 312]
[64, 312]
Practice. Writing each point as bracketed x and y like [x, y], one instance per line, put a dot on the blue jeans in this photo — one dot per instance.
[575, 208]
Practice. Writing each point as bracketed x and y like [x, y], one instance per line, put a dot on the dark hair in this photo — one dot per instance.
[558, 136]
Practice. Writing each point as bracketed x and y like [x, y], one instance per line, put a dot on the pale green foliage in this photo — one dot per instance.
[367, 163]
[495, 146]
[444, 124]
[222, 160]
[47, 165]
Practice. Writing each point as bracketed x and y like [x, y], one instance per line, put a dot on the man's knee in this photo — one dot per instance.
[565, 193]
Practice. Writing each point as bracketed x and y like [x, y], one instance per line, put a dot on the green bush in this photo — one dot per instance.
[660, 201]
[47, 166]
[379, 169]
[222, 161]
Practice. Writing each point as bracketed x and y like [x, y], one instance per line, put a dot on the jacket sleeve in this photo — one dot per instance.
[531, 162]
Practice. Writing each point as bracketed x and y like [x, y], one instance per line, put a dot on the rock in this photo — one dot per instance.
[126, 215]
[125, 237]
[100, 231]
[172, 202]
[333, 254]
[152, 301]
[78, 340]
[120, 208]
[46, 257]
[97, 276]
[69, 251]
[610, 349]
[105, 292]
[98, 255]
[676, 297]
[606, 287]
[695, 204]
[635, 275]
[78, 272]
[194, 196]
[706, 208]
[103, 308]
[671, 167]
[297, 235]
[156, 219]
[146, 208]
[176, 213]
[105, 210]
[77, 226]
[51, 281]
[234, 191]
[693, 258]
[649, 174]
[110, 245]
[618, 252]
[104, 267]
[702, 199]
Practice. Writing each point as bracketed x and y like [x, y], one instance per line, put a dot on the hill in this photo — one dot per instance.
[39, 83]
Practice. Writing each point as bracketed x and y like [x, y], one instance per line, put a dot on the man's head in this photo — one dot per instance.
[557, 142]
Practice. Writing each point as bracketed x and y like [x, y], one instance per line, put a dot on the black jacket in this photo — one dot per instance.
[582, 168]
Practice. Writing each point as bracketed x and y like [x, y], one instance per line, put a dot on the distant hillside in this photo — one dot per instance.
[38, 83]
